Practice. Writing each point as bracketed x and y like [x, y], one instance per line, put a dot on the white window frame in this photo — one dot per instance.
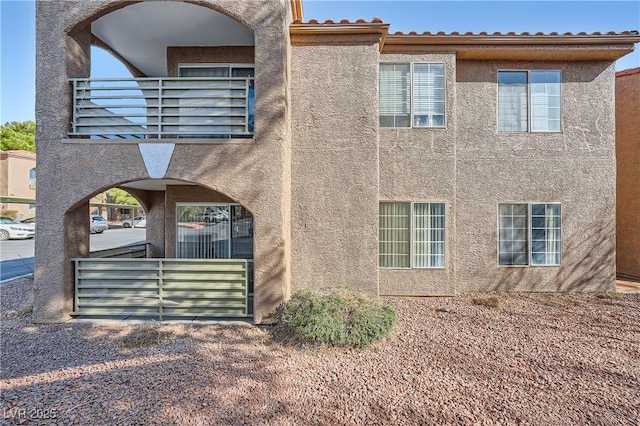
[529, 108]
[411, 235]
[529, 235]
[228, 65]
[411, 89]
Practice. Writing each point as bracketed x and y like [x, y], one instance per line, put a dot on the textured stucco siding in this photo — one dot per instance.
[628, 187]
[254, 173]
[575, 167]
[418, 165]
[334, 215]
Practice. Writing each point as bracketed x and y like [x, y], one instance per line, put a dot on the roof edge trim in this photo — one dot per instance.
[530, 40]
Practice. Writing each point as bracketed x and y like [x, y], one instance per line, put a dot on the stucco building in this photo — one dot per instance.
[18, 182]
[628, 183]
[329, 153]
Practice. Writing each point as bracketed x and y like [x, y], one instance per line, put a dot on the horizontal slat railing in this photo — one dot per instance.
[155, 108]
[161, 288]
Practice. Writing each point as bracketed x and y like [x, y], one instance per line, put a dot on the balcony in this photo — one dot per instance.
[163, 108]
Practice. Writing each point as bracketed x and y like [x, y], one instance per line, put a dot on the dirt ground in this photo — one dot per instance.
[528, 359]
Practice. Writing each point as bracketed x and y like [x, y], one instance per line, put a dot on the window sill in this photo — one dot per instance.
[503, 132]
[232, 141]
[391, 268]
[414, 128]
[529, 266]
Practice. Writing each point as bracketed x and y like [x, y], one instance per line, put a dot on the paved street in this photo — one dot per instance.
[17, 256]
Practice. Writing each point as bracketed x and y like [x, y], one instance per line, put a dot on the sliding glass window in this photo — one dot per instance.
[411, 235]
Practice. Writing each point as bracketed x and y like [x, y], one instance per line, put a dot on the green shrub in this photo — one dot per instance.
[337, 317]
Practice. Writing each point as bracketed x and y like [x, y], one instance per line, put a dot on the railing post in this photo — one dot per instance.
[75, 106]
[160, 92]
[76, 295]
[160, 288]
[247, 86]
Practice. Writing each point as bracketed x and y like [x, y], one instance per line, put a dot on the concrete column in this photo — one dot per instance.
[61, 234]
[156, 223]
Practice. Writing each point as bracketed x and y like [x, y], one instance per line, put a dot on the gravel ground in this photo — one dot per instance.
[537, 359]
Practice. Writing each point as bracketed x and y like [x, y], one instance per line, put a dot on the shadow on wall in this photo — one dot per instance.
[271, 291]
[594, 271]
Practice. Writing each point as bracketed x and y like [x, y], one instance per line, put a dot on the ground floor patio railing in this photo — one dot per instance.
[161, 288]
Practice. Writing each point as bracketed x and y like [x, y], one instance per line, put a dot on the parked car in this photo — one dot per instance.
[10, 229]
[98, 225]
[136, 222]
[215, 215]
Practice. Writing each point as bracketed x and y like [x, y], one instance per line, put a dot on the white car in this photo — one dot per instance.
[136, 222]
[12, 230]
[98, 225]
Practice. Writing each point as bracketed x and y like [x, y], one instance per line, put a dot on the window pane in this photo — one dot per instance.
[512, 101]
[203, 71]
[546, 237]
[428, 235]
[428, 95]
[545, 101]
[512, 234]
[202, 232]
[394, 96]
[393, 250]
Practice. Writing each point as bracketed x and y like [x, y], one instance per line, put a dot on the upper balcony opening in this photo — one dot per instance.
[194, 76]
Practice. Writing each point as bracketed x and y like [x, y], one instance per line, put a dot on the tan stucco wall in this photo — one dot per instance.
[575, 168]
[14, 180]
[472, 168]
[628, 185]
[334, 214]
[419, 165]
[254, 173]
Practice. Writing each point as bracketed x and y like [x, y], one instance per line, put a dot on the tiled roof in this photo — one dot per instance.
[513, 34]
[331, 23]
[628, 72]
[469, 45]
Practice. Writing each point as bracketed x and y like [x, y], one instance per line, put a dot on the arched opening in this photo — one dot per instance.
[205, 237]
[180, 163]
[159, 80]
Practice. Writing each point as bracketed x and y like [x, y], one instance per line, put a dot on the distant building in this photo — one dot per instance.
[628, 182]
[18, 172]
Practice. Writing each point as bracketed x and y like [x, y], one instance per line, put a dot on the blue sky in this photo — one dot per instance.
[17, 24]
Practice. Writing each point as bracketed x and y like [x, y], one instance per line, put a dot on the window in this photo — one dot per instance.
[529, 234]
[32, 179]
[412, 95]
[411, 235]
[227, 107]
[529, 101]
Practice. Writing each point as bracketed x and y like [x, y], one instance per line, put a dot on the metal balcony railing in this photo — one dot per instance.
[161, 108]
